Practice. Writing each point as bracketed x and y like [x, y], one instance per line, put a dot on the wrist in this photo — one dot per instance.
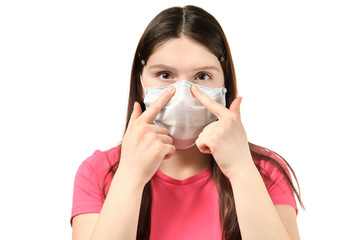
[243, 172]
[127, 176]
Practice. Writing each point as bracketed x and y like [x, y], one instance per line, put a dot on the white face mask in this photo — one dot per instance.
[184, 116]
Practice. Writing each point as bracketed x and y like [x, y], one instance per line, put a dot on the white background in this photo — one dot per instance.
[65, 68]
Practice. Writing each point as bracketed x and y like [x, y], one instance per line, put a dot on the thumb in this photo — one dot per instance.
[235, 105]
[137, 111]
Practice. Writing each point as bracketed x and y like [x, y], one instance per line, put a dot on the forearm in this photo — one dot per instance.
[119, 215]
[257, 215]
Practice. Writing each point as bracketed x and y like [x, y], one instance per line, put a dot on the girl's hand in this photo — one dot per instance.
[145, 145]
[225, 139]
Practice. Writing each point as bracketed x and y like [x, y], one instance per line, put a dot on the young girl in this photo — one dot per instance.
[184, 168]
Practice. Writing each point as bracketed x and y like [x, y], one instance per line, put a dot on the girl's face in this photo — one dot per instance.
[182, 59]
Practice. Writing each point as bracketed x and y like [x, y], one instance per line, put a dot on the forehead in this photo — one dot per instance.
[183, 52]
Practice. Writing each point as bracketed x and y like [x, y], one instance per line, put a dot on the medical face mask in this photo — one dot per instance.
[184, 116]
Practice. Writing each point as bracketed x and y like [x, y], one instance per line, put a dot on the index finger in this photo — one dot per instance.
[214, 107]
[150, 114]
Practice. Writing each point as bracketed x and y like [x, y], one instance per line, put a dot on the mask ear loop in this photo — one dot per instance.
[142, 84]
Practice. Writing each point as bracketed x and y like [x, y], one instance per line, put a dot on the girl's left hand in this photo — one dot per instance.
[225, 139]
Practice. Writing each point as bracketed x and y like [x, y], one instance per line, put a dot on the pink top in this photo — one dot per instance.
[181, 209]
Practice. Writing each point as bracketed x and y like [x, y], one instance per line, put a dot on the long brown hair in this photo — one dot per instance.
[197, 24]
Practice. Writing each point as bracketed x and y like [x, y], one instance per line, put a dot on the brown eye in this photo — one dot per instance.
[203, 76]
[165, 75]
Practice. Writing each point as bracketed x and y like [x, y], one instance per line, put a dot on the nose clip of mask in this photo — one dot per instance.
[184, 116]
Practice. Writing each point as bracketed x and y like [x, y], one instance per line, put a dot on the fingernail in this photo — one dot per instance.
[195, 88]
[171, 89]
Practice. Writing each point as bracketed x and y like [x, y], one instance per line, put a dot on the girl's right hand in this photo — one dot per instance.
[145, 145]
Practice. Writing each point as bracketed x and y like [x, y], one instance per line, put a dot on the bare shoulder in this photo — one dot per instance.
[83, 225]
[287, 215]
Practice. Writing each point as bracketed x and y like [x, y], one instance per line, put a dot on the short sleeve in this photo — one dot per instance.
[86, 194]
[276, 183]
[90, 179]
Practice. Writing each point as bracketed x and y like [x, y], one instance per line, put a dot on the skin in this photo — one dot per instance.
[183, 59]
[225, 139]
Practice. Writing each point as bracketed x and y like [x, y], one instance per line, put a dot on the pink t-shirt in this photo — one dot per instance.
[181, 209]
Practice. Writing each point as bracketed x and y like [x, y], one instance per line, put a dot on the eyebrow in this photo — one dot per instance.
[206, 67]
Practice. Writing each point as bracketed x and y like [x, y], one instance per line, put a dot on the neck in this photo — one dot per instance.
[185, 163]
